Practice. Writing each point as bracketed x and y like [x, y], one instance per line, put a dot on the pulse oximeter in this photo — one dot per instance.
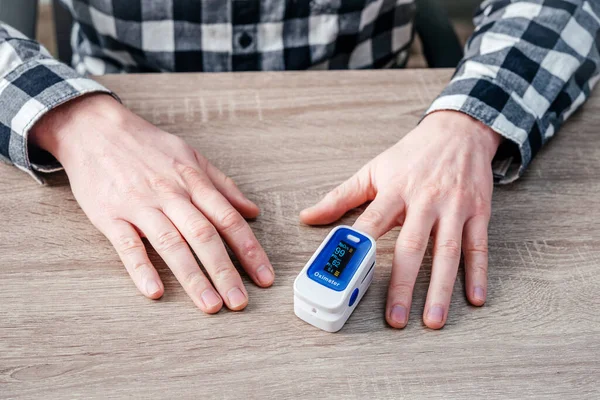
[335, 279]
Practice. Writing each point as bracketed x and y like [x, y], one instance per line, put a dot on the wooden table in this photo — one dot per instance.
[72, 323]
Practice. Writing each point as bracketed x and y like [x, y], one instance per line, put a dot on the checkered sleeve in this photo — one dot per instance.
[529, 65]
[31, 84]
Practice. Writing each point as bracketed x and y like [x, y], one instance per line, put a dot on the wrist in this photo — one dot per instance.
[57, 131]
[466, 127]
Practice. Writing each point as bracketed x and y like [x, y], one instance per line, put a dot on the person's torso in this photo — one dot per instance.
[239, 35]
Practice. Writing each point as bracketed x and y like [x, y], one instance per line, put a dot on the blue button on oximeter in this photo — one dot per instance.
[335, 279]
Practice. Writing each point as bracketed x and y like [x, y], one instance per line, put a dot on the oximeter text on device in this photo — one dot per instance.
[335, 279]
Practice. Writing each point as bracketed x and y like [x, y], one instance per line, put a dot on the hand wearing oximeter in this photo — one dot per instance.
[335, 279]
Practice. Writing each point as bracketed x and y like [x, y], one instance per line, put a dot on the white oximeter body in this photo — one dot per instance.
[335, 279]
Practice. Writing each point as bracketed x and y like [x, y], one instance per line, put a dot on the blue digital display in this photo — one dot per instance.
[338, 260]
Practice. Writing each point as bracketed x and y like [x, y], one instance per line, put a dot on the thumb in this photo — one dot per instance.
[350, 194]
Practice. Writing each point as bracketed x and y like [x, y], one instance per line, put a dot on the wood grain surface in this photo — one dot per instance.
[73, 325]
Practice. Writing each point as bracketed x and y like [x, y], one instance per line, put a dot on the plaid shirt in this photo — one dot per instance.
[529, 65]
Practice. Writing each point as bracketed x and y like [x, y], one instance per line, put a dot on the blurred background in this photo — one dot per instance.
[460, 12]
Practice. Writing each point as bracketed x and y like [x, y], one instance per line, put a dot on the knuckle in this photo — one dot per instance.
[200, 189]
[250, 248]
[127, 245]
[372, 217]
[188, 173]
[480, 203]
[462, 195]
[230, 220]
[341, 192]
[192, 179]
[477, 246]
[482, 207]
[195, 278]
[141, 267]
[136, 195]
[445, 289]
[411, 245]
[478, 269]
[431, 194]
[449, 248]
[201, 231]
[169, 242]
[337, 194]
[224, 273]
[401, 289]
[162, 185]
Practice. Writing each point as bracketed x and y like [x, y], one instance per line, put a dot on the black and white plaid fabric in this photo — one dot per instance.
[239, 35]
[528, 66]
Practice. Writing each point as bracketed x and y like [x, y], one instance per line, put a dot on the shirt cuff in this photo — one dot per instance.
[490, 103]
[27, 93]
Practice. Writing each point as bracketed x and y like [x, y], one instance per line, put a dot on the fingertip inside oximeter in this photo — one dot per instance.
[335, 279]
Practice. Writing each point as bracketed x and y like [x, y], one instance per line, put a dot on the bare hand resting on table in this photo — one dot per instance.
[133, 179]
[436, 181]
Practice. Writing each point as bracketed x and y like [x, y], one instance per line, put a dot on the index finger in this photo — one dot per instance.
[237, 233]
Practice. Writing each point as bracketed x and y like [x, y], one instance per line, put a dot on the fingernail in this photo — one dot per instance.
[251, 203]
[398, 314]
[264, 274]
[435, 314]
[152, 287]
[305, 211]
[478, 293]
[210, 298]
[236, 297]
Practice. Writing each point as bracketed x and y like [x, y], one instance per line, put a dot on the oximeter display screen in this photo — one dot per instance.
[339, 259]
